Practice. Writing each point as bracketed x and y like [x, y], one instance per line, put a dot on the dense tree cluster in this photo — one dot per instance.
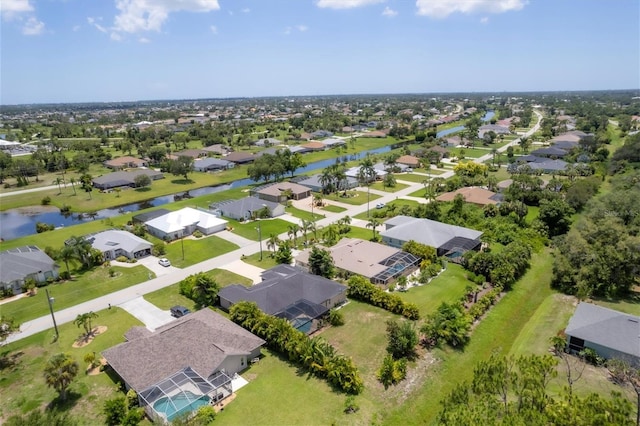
[362, 289]
[200, 288]
[275, 166]
[509, 391]
[316, 355]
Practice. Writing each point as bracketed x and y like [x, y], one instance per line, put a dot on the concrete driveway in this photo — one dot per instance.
[244, 269]
[151, 263]
[152, 316]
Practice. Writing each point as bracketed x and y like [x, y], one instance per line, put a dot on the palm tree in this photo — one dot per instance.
[293, 233]
[307, 226]
[524, 144]
[366, 174]
[317, 199]
[344, 223]
[494, 152]
[84, 321]
[66, 254]
[58, 181]
[373, 224]
[81, 250]
[330, 234]
[340, 177]
[272, 243]
[72, 181]
[326, 180]
[59, 372]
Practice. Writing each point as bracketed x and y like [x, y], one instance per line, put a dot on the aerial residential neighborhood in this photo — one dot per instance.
[338, 212]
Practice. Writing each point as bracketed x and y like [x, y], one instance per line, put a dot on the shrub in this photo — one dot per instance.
[363, 290]
[336, 318]
[43, 227]
[46, 201]
[115, 411]
[350, 405]
[591, 356]
[158, 249]
[197, 234]
[123, 259]
[112, 272]
[392, 371]
[65, 275]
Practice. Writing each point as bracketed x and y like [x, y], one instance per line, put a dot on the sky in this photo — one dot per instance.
[59, 51]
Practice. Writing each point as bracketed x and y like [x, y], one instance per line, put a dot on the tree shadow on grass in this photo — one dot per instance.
[67, 404]
[632, 298]
[144, 189]
[8, 359]
[182, 181]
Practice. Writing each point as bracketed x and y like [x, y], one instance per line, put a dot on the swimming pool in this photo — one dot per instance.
[185, 402]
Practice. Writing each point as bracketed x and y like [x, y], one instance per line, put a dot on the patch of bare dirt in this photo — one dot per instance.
[94, 371]
[88, 338]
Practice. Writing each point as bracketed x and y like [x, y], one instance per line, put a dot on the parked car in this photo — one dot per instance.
[179, 311]
[164, 262]
[380, 205]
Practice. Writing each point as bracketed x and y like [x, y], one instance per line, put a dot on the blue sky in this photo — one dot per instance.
[121, 50]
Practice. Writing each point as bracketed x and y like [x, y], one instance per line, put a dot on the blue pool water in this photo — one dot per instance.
[182, 403]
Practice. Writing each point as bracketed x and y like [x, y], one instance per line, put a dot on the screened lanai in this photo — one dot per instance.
[397, 265]
[183, 392]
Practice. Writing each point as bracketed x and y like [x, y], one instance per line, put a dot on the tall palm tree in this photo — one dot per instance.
[293, 233]
[272, 243]
[307, 226]
[85, 321]
[373, 224]
[81, 249]
[72, 181]
[330, 234]
[58, 181]
[326, 180]
[59, 372]
[66, 254]
[366, 174]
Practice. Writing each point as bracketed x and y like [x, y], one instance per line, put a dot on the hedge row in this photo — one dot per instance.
[361, 289]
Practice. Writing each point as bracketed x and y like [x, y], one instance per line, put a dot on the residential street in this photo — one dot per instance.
[225, 261]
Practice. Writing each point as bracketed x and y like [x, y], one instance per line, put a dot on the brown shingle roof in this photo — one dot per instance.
[471, 194]
[314, 145]
[201, 340]
[409, 160]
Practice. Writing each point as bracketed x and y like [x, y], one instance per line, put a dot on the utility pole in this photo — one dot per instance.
[50, 300]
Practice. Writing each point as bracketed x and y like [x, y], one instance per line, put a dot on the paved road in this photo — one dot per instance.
[128, 294]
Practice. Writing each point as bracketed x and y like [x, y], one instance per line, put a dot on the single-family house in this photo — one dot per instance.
[612, 334]
[409, 160]
[240, 157]
[212, 164]
[333, 142]
[246, 208]
[314, 146]
[379, 168]
[321, 134]
[495, 128]
[449, 240]
[473, 195]
[375, 134]
[268, 142]
[549, 152]
[125, 162]
[313, 182]
[289, 292]
[114, 243]
[216, 149]
[124, 178]
[184, 222]
[22, 263]
[147, 216]
[192, 153]
[549, 166]
[280, 192]
[184, 364]
[379, 263]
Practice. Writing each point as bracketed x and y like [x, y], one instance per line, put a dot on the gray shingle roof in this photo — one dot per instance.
[606, 327]
[282, 286]
[124, 178]
[18, 263]
[425, 231]
[115, 239]
[243, 205]
[201, 340]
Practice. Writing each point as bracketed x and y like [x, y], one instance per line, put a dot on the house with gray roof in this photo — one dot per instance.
[212, 164]
[313, 182]
[549, 152]
[449, 240]
[289, 292]
[549, 166]
[22, 263]
[124, 178]
[333, 142]
[193, 357]
[246, 208]
[268, 142]
[612, 334]
[280, 192]
[240, 157]
[114, 243]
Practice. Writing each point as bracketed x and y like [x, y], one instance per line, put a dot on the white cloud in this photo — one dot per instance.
[144, 40]
[444, 8]
[302, 28]
[484, 20]
[33, 27]
[75, 28]
[245, 10]
[11, 8]
[149, 15]
[116, 37]
[389, 12]
[214, 29]
[345, 4]
[93, 23]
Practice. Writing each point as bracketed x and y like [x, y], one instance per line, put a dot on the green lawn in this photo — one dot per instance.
[87, 286]
[432, 172]
[380, 187]
[304, 214]
[170, 296]
[419, 193]
[249, 229]
[469, 152]
[411, 177]
[334, 209]
[267, 261]
[355, 198]
[497, 332]
[448, 287]
[630, 304]
[399, 203]
[197, 249]
[23, 387]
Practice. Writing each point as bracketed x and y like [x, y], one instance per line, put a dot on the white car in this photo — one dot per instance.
[164, 262]
[380, 205]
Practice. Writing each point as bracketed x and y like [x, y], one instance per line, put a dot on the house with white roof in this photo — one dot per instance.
[115, 243]
[183, 222]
